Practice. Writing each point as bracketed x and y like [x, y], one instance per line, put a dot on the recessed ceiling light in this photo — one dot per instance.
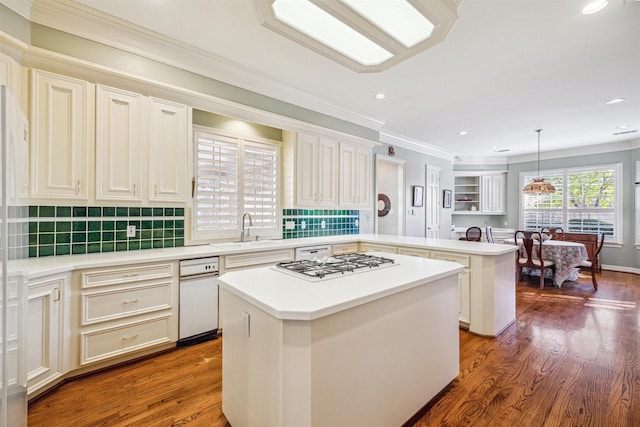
[594, 6]
[462, 132]
[615, 101]
[623, 126]
[380, 96]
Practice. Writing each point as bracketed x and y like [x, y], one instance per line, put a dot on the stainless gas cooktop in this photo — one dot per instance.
[335, 266]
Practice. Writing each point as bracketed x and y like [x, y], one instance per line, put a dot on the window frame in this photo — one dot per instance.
[616, 239]
[242, 141]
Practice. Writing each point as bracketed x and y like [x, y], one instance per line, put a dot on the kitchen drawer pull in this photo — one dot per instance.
[130, 337]
[130, 301]
[131, 275]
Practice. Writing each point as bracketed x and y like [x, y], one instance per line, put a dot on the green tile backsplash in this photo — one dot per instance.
[65, 230]
[336, 222]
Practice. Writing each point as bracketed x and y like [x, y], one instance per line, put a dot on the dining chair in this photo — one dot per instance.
[533, 256]
[592, 264]
[489, 232]
[556, 232]
[474, 234]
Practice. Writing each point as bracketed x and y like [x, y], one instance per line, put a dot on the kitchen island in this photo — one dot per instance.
[368, 348]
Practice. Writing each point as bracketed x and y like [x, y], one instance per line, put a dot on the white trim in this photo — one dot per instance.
[483, 161]
[21, 7]
[83, 21]
[577, 151]
[415, 145]
[637, 206]
[621, 269]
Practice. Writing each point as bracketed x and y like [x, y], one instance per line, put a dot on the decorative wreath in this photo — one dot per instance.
[384, 204]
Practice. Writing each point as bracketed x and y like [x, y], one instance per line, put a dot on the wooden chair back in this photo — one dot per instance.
[557, 233]
[526, 259]
[474, 234]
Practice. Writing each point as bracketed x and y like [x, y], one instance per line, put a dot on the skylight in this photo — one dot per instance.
[363, 35]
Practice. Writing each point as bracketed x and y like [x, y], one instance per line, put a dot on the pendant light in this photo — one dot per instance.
[538, 185]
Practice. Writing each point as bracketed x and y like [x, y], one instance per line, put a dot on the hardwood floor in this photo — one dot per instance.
[571, 359]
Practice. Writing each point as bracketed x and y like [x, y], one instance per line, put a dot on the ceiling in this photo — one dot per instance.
[507, 67]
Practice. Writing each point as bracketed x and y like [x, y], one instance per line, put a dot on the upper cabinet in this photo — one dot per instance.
[167, 151]
[119, 142]
[316, 171]
[355, 175]
[140, 144]
[480, 193]
[325, 172]
[61, 136]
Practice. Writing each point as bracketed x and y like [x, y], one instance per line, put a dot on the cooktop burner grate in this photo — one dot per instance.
[336, 265]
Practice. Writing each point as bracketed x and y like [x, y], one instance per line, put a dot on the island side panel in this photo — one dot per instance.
[493, 294]
[251, 374]
[379, 363]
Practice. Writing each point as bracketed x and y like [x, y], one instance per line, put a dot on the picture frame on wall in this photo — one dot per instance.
[418, 192]
[446, 198]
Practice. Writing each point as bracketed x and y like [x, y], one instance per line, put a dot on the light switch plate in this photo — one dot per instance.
[289, 225]
[303, 224]
[246, 323]
[131, 231]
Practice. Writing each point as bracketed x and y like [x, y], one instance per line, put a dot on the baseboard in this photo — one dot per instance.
[621, 269]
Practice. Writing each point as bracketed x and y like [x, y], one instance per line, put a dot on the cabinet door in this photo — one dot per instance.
[306, 170]
[118, 144]
[363, 177]
[464, 303]
[327, 173]
[167, 148]
[348, 175]
[492, 191]
[45, 332]
[60, 136]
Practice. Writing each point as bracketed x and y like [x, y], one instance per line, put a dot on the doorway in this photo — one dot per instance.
[434, 211]
[390, 193]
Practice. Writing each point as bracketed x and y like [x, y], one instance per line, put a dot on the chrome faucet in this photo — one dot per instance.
[243, 236]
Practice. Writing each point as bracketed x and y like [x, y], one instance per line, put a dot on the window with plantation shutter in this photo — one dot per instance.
[587, 200]
[234, 176]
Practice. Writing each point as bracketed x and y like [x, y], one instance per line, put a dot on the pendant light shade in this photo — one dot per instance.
[538, 185]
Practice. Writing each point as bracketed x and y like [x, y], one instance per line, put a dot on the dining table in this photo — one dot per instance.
[566, 256]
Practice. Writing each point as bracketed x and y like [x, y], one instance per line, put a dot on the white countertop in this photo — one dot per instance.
[285, 296]
[37, 267]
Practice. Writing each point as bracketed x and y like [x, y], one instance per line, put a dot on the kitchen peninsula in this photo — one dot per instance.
[364, 348]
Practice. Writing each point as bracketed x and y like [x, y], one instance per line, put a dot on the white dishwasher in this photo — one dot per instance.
[198, 318]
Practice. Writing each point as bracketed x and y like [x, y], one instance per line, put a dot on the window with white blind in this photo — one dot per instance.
[587, 200]
[234, 176]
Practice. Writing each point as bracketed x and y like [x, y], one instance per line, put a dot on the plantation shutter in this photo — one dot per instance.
[260, 186]
[216, 198]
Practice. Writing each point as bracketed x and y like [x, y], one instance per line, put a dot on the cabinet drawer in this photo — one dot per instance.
[344, 248]
[109, 342]
[114, 276]
[415, 252]
[373, 247]
[257, 259]
[124, 302]
[446, 256]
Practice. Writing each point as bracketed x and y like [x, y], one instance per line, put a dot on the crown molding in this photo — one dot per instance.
[21, 7]
[502, 161]
[415, 145]
[82, 21]
[582, 151]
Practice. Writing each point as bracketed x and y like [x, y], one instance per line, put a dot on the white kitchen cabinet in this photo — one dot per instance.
[126, 309]
[316, 171]
[243, 261]
[464, 283]
[119, 143]
[10, 75]
[375, 247]
[344, 248]
[167, 148]
[355, 175]
[423, 253]
[480, 193]
[61, 137]
[492, 194]
[46, 331]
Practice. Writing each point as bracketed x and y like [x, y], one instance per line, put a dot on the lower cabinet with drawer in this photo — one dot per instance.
[375, 247]
[125, 309]
[464, 283]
